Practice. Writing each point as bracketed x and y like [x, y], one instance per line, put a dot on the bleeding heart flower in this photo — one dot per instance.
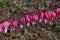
[45, 15]
[49, 16]
[28, 18]
[35, 18]
[1, 30]
[6, 24]
[22, 20]
[46, 18]
[58, 11]
[53, 15]
[15, 23]
[41, 14]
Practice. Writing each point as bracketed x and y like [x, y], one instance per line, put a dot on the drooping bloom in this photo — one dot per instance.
[53, 15]
[28, 18]
[35, 18]
[49, 16]
[1, 30]
[58, 11]
[14, 23]
[41, 16]
[22, 21]
[5, 25]
[45, 15]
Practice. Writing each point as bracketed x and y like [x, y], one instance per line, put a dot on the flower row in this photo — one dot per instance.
[27, 19]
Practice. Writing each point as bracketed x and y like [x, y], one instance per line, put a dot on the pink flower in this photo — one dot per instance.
[28, 18]
[53, 15]
[15, 23]
[45, 15]
[49, 16]
[22, 20]
[41, 14]
[58, 11]
[1, 30]
[35, 18]
[6, 24]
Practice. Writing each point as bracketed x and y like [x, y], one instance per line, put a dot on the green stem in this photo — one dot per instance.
[42, 3]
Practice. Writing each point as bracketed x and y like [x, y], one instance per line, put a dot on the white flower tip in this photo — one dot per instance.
[5, 30]
[59, 16]
[28, 24]
[13, 29]
[33, 23]
[40, 20]
[21, 26]
[45, 21]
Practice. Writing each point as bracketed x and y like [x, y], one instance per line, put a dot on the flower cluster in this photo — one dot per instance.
[28, 19]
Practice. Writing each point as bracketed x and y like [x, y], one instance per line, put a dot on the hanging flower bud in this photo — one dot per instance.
[45, 17]
[14, 23]
[1, 30]
[49, 17]
[6, 24]
[58, 11]
[28, 19]
[53, 15]
[34, 19]
[22, 21]
[40, 16]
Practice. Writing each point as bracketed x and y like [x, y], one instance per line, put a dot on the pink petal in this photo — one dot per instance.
[58, 11]
[35, 17]
[22, 20]
[53, 14]
[1, 28]
[41, 14]
[49, 16]
[15, 23]
[28, 18]
[45, 15]
[6, 24]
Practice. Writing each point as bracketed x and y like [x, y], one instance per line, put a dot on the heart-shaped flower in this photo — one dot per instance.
[35, 18]
[14, 22]
[22, 20]
[41, 14]
[45, 15]
[1, 30]
[49, 16]
[58, 11]
[28, 18]
[53, 15]
[6, 24]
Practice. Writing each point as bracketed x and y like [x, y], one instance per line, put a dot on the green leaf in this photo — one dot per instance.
[18, 6]
[14, 36]
[1, 1]
[54, 27]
